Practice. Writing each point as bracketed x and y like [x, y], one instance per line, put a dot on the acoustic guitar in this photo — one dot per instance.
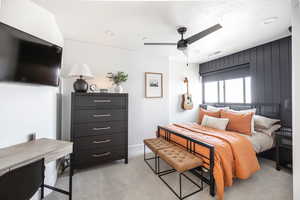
[187, 102]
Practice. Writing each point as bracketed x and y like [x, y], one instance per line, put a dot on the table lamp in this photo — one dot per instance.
[81, 72]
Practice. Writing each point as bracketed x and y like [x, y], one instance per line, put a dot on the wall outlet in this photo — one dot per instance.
[32, 136]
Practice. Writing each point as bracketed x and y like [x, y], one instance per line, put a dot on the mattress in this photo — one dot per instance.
[260, 141]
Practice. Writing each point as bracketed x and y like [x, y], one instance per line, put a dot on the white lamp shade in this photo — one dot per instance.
[81, 71]
[186, 52]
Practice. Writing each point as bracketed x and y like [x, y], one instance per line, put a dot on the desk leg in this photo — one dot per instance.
[42, 192]
[43, 184]
[70, 180]
[69, 193]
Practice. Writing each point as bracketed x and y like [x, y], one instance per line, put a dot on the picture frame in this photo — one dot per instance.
[153, 85]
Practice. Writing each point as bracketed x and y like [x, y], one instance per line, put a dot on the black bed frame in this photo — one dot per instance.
[271, 110]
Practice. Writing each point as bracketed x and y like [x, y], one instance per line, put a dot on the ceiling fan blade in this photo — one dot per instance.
[202, 34]
[160, 43]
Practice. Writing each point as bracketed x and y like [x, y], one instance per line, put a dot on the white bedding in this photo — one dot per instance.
[260, 141]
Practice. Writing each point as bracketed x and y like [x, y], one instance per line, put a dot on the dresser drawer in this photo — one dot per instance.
[101, 141]
[97, 156]
[100, 101]
[84, 116]
[99, 128]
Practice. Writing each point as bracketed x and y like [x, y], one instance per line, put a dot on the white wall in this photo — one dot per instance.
[26, 109]
[178, 71]
[31, 18]
[144, 114]
[296, 96]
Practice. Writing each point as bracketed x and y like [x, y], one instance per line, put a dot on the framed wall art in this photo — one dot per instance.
[153, 85]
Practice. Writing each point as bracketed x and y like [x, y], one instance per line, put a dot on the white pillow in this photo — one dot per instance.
[264, 122]
[216, 109]
[248, 111]
[213, 122]
[269, 131]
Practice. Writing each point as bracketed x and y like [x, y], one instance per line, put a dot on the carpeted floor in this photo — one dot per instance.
[135, 181]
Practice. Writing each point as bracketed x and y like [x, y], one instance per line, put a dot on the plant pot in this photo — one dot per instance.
[118, 89]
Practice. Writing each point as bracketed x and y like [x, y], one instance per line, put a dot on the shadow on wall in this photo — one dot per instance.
[179, 104]
[59, 116]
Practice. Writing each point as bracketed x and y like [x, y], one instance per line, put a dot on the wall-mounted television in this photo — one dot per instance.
[28, 59]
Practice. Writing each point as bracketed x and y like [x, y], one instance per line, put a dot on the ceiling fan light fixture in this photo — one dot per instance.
[182, 45]
[186, 52]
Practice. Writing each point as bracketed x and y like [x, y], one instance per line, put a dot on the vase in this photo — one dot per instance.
[118, 89]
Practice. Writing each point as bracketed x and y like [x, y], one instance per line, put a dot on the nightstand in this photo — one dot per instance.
[284, 148]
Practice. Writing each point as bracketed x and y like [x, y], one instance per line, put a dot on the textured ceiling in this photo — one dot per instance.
[128, 25]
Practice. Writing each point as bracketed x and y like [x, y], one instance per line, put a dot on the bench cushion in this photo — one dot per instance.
[179, 158]
[156, 144]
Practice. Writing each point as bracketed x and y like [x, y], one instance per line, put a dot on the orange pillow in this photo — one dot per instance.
[238, 122]
[209, 113]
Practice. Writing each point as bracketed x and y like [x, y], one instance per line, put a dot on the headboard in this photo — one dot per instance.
[271, 110]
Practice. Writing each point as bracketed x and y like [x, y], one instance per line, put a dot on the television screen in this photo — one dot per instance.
[25, 58]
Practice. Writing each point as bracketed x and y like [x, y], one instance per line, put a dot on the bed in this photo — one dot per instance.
[260, 141]
[204, 146]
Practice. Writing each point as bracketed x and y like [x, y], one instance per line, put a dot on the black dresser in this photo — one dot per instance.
[99, 128]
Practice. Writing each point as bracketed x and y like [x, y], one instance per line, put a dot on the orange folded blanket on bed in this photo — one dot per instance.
[234, 154]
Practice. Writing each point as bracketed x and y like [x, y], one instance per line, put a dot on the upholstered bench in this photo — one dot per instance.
[182, 161]
[155, 144]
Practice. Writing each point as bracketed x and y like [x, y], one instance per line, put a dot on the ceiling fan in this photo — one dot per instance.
[182, 44]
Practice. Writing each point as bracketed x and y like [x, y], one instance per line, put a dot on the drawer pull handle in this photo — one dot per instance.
[101, 142]
[101, 155]
[104, 128]
[102, 101]
[105, 115]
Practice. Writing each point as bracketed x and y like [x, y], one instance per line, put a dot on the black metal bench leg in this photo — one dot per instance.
[155, 164]
[180, 186]
[154, 169]
[158, 166]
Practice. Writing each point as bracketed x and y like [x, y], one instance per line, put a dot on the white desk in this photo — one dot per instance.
[19, 155]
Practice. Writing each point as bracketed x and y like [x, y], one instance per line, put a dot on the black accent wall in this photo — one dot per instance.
[270, 70]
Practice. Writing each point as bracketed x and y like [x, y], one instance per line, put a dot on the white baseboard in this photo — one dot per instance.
[135, 150]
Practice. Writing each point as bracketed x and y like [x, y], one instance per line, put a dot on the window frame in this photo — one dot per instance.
[224, 91]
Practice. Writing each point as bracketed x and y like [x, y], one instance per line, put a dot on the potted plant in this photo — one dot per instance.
[118, 78]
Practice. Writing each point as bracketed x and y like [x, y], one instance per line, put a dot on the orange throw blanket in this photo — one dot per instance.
[234, 154]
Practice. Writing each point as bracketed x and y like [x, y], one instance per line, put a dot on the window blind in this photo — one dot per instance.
[228, 73]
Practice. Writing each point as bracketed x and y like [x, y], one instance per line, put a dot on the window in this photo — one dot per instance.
[221, 91]
[248, 89]
[211, 92]
[236, 90]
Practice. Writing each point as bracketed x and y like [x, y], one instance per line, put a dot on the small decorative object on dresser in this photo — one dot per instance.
[153, 85]
[94, 88]
[118, 79]
[81, 72]
[103, 90]
[99, 128]
[284, 148]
